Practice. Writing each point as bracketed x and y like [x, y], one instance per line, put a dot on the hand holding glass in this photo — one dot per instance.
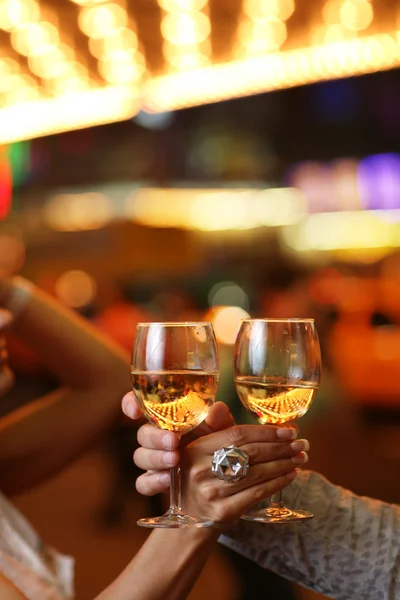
[277, 371]
[175, 375]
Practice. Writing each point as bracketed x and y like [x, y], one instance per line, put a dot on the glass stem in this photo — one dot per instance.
[277, 500]
[175, 500]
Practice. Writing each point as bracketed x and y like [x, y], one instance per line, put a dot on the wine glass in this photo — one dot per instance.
[175, 376]
[277, 368]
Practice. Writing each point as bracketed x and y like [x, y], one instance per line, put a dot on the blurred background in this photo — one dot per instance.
[207, 159]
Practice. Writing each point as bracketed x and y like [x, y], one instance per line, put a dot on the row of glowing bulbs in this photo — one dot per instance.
[112, 41]
[33, 35]
[186, 29]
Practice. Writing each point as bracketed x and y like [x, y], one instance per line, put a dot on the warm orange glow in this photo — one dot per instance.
[103, 20]
[68, 111]
[188, 5]
[262, 35]
[14, 13]
[226, 321]
[259, 9]
[184, 28]
[34, 39]
[356, 14]
[76, 288]
[123, 39]
[122, 66]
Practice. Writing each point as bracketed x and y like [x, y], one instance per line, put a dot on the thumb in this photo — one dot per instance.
[219, 417]
[130, 407]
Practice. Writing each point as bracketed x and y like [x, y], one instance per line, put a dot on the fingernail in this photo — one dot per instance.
[167, 441]
[292, 475]
[169, 458]
[301, 458]
[286, 433]
[300, 445]
[127, 409]
[164, 479]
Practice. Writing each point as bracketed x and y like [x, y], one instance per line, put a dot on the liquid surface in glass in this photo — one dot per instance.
[275, 400]
[175, 400]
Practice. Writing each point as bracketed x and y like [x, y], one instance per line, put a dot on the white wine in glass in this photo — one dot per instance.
[175, 376]
[277, 372]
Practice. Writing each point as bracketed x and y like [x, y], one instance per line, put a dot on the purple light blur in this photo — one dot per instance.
[379, 181]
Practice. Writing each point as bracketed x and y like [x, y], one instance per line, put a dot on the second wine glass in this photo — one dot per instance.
[277, 371]
[175, 375]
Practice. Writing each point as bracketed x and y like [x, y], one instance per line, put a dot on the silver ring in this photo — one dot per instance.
[230, 463]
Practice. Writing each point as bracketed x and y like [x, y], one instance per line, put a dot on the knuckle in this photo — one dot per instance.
[220, 513]
[136, 457]
[258, 493]
[252, 451]
[235, 434]
[208, 492]
[196, 473]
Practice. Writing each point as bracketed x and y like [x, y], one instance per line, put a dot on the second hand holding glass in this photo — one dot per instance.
[277, 371]
[175, 376]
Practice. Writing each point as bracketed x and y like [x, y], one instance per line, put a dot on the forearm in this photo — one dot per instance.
[351, 549]
[165, 568]
[71, 348]
[45, 435]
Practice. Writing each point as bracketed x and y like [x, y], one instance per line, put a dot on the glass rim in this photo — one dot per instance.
[173, 323]
[266, 320]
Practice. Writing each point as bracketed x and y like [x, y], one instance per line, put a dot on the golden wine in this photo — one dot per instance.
[272, 401]
[175, 400]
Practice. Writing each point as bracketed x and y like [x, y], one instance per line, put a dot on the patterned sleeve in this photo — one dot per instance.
[349, 550]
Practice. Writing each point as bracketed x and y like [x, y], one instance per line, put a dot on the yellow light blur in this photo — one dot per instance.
[216, 209]
[8, 66]
[344, 231]
[263, 35]
[76, 288]
[103, 20]
[58, 61]
[265, 72]
[15, 82]
[188, 5]
[123, 39]
[67, 112]
[122, 66]
[356, 14]
[331, 11]
[23, 94]
[226, 321]
[186, 57]
[34, 39]
[259, 9]
[14, 13]
[88, 2]
[78, 212]
[184, 29]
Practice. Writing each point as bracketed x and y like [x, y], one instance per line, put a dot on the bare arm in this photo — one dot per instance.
[41, 438]
[8, 591]
[165, 568]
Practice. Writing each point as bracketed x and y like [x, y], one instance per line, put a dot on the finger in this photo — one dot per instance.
[150, 484]
[152, 438]
[130, 407]
[239, 435]
[155, 459]
[213, 489]
[260, 453]
[234, 506]
[260, 474]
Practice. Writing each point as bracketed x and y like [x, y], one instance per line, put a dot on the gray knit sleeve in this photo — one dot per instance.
[350, 550]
